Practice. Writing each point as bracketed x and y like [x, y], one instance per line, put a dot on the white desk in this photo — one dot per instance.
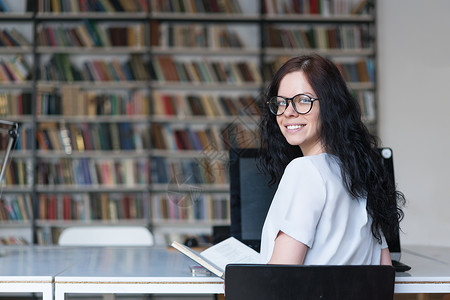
[156, 270]
[31, 269]
[137, 270]
[430, 272]
[133, 270]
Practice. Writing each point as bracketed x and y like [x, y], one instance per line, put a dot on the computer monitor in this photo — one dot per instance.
[250, 197]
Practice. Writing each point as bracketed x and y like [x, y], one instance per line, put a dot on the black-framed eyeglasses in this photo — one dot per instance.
[301, 103]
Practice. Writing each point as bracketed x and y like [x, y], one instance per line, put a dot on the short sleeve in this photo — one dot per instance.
[383, 242]
[302, 195]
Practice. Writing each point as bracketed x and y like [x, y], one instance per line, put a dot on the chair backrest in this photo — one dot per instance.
[308, 282]
[106, 236]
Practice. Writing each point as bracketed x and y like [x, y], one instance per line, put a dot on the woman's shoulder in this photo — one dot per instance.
[322, 164]
[312, 160]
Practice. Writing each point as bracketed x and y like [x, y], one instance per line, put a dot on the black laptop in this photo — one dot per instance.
[250, 199]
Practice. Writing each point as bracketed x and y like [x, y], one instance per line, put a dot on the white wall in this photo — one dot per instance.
[414, 110]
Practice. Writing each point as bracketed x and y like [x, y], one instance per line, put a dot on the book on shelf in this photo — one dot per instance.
[16, 208]
[89, 207]
[166, 68]
[91, 34]
[13, 38]
[191, 205]
[359, 71]
[19, 172]
[106, 6]
[61, 69]
[202, 170]
[15, 103]
[92, 137]
[195, 36]
[14, 69]
[216, 257]
[192, 137]
[3, 6]
[88, 103]
[315, 7]
[13, 240]
[317, 37]
[80, 172]
[212, 6]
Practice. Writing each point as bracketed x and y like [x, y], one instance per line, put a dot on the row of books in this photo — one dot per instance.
[197, 35]
[19, 172]
[15, 104]
[318, 37]
[108, 6]
[354, 71]
[123, 136]
[60, 68]
[93, 206]
[185, 173]
[102, 172]
[182, 105]
[166, 68]
[26, 139]
[93, 137]
[48, 235]
[191, 206]
[90, 34]
[321, 7]
[360, 71]
[13, 38]
[196, 6]
[16, 208]
[15, 69]
[13, 240]
[3, 6]
[73, 101]
[366, 101]
[201, 137]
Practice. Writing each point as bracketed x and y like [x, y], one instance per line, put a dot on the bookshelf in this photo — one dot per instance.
[128, 108]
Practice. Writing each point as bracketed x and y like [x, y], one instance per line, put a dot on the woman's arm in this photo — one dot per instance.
[385, 257]
[288, 250]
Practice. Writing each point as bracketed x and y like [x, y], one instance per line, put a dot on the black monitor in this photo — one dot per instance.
[250, 197]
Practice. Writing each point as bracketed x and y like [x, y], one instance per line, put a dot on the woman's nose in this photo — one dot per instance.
[290, 111]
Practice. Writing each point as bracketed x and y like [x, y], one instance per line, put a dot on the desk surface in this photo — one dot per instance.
[430, 270]
[158, 270]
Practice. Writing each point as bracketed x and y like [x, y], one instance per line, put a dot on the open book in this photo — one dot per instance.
[216, 257]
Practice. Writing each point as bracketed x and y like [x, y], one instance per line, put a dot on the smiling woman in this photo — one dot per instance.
[300, 129]
[334, 203]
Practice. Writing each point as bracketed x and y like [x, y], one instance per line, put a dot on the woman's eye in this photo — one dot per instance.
[304, 100]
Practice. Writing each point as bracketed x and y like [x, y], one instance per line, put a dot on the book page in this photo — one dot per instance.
[229, 251]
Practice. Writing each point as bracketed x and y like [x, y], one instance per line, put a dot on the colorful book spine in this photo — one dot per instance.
[90, 207]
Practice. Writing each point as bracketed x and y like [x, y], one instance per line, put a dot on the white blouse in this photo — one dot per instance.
[313, 206]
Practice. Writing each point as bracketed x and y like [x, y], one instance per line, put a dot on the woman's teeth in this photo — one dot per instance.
[294, 126]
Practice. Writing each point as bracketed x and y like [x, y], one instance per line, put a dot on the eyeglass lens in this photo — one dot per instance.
[302, 104]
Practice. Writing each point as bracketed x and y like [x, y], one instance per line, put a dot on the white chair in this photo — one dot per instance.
[106, 236]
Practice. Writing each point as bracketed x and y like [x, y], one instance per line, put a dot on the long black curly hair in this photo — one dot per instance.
[343, 134]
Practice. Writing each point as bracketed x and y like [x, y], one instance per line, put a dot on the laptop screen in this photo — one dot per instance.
[250, 197]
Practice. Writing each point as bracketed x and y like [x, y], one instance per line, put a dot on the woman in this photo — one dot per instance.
[334, 204]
